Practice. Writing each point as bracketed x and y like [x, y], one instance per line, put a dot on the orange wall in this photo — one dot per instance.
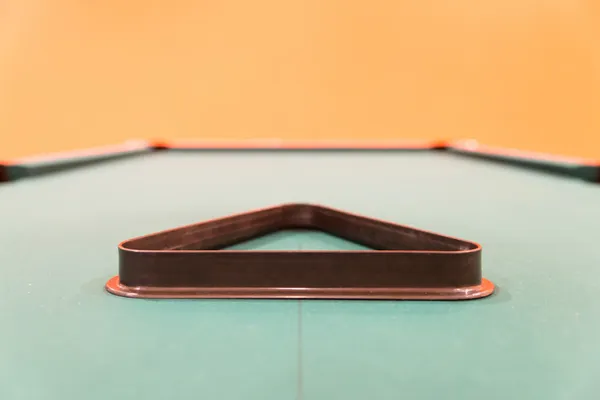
[521, 73]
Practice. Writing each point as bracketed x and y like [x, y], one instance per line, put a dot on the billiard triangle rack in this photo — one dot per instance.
[405, 264]
[194, 262]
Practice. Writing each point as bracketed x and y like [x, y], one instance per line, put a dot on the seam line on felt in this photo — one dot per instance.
[299, 376]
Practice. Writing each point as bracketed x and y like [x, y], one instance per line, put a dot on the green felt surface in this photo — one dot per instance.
[63, 337]
[298, 240]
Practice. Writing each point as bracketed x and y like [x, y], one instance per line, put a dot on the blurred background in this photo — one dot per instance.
[514, 73]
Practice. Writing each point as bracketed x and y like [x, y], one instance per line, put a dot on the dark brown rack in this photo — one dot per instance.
[405, 263]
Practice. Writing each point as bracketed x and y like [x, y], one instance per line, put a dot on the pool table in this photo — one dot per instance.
[63, 336]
